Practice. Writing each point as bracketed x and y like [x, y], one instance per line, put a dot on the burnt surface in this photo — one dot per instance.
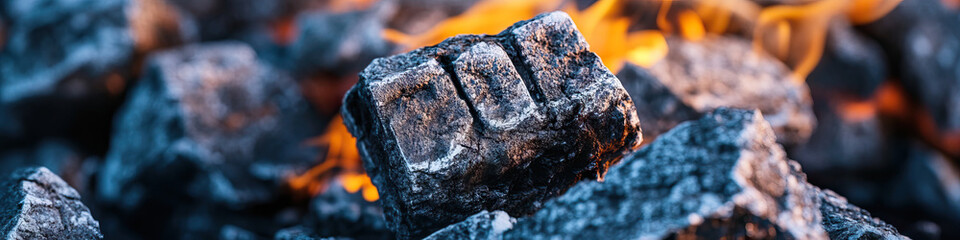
[658, 108]
[923, 42]
[209, 129]
[691, 179]
[483, 122]
[723, 71]
[57, 61]
[340, 44]
[720, 176]
[37, 204]
[338, 213]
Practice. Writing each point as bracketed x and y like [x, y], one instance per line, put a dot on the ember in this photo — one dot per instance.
[480, 119]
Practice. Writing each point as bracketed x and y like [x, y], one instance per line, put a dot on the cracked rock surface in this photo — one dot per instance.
[481, 122]
[722, 176]
[726, 72]
[37, 204]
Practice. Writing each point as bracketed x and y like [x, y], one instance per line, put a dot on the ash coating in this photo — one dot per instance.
[722, 176]
[482, 122]
[722, 71]
[208, 128]
[37, 204]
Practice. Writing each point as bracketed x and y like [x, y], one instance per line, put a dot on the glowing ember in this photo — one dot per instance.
[342, 162]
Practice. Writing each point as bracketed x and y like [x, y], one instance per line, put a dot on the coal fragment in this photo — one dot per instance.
[37, 204]
[338, 213]
[211, 126]
[61, 59]
[658, 108]
[339, 44]
[722, 71]
[923, 42]
[483, 225]
[852, 63]
[843, 220]
[722, 176]
[483, 122]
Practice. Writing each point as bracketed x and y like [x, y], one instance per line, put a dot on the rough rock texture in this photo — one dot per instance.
[59, 42]
[211, 126]
[338, 213]
[843, 220]
[658, 108]
[726, 72]
[483, 225]
[922, 39]
[722, 176]
[61, 59]
[851, 64]
[36, 204]
[484, 122]
[341, 43]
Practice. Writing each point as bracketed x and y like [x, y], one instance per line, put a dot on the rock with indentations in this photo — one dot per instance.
[37, 204]
[481, 122]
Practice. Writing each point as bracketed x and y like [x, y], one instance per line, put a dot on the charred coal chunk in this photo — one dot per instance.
[37, 204]
[338, 44]
[338, 213]
[476, 123]
[208, 125]
[852, 63]
[483, 225]
[843, 220]
[61, 59]
[658, 108]
[726, 72]
[923, 42]
[720, 176]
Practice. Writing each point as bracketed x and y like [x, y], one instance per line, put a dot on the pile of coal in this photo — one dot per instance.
[36, 204]
[208, 128]
[61, 59]
[500, 122]
[722, 176]
[923, 44]
[338, 213]
[721, 71]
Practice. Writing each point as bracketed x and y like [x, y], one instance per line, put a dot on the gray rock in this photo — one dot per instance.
[843, 220]
[722, 176]
[852, 63]
[208, 125]
[923, 42]
[658, 108]
[341, 43]
[482, 122]
[338, 213]
[723, 71]
[61, 59]
[61, 47]
[483, 225]
[36, 204]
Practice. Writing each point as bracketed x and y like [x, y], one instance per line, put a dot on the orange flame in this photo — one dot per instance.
[342, 162]
[806, 26]
[601, 25]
